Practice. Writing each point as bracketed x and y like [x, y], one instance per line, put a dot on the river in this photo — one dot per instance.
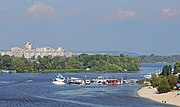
[15, 91]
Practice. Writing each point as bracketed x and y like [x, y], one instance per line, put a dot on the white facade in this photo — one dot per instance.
[28, 46]
[28, 52]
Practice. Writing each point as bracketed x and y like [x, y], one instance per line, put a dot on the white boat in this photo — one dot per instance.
[29, 81]
[74, 80]
[59, 80]
[87, 82]
[100, 80]
[147, 76]
[7, 71]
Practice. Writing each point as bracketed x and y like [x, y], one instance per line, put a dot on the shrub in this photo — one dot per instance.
[163, 88]
[155, 81]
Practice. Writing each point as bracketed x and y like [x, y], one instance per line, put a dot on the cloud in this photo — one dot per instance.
[170, 13]
[120, 14]
[38, 9]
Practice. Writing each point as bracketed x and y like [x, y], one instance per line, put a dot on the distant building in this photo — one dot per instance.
[29, 52]
[28, 46]
[5, 53]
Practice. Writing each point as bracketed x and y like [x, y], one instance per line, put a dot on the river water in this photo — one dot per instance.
[15, 91]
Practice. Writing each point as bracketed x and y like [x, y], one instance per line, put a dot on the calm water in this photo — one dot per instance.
[16, 92]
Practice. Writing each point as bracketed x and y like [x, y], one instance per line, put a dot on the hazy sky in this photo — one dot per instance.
[140, 26]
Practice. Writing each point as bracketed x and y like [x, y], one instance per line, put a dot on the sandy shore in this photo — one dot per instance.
[168, 98]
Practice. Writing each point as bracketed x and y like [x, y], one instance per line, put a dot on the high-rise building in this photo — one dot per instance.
[29, 52]
[28, 46]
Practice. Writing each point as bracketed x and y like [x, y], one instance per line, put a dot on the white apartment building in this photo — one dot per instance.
[29, 52]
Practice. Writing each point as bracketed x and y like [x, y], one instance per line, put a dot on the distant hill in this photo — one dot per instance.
[104, 53]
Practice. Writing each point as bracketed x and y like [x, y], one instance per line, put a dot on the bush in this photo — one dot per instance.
[155, 81]
[140, 81]
[163, 88]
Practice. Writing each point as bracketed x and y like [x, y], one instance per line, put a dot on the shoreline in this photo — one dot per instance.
[170, 98]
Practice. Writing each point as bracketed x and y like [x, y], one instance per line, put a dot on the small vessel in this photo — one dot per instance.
[7, 71]
[87, 82]
[76, 81]
[29, 81]
[112, 82]
[123, 81]
[147, 76]
[100, 80]
[59, 80]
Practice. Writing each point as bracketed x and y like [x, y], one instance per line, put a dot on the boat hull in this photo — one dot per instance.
[58, 83]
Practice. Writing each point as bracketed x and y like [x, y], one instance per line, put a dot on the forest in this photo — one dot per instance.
[84, 63]
[159, 58]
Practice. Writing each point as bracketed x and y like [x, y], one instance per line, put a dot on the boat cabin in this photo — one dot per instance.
[112, 81]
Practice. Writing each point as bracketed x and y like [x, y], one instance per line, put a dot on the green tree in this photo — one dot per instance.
[94, 62]
[177, 68]
[155, 81]
[163, 89]
[172, 80]
[6, 62]
[161, 83]
[167, 70]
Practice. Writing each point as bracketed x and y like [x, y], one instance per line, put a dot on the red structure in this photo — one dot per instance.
[112, 81]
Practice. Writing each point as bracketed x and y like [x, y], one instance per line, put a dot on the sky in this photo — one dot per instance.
[139, 26]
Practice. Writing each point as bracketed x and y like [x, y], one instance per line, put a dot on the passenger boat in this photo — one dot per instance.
[59, 80]
[87, 82]
[73, 80]
[100, 80]
[112, 82]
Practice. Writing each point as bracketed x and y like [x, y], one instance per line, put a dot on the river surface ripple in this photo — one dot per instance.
[15, 91]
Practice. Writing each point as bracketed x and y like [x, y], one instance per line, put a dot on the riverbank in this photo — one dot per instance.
[83, 71]
[167, 98]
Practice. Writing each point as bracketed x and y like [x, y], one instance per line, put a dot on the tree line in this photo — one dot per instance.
[158, 58]
[101, 63]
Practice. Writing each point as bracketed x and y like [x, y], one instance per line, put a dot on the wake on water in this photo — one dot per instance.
[71, 101]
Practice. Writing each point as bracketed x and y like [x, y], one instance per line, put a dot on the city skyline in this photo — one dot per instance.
[142, 27]
[29, 52]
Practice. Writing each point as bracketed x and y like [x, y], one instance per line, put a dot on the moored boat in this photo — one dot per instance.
[112, 82]
[76, 81]
[147, 76]
[59, 80]
[87, 82]
[99, 80]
